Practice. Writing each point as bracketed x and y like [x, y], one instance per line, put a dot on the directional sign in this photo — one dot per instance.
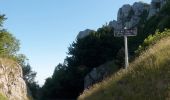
[125, 32]
[130, 32]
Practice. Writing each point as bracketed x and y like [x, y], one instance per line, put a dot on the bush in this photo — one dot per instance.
[152, 39]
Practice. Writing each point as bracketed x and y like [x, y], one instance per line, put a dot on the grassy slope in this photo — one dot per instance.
[147, 78]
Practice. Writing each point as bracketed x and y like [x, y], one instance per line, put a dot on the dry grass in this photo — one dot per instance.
[147, 78]
[8, 62]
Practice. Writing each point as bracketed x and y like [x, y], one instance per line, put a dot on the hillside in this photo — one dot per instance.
[147, 78]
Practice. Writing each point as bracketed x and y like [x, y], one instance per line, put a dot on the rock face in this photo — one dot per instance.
[98, 74]
[84, 33]
[129, 16]
[156, 5]
[12, 84]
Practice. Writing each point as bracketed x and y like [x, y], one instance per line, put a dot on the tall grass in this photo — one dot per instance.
[147, 78]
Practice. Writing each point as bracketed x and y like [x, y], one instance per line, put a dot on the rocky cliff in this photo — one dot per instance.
[156, 5]
[130, 15]
[99, 73]
[12, 85]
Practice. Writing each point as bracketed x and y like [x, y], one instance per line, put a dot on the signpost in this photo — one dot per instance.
[126, 32]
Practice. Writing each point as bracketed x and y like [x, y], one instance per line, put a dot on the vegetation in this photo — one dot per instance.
[159, 21]
[146, 78]
[152, 39]
[9, 47]
[83, 55]
[98, 48]
[2, 97]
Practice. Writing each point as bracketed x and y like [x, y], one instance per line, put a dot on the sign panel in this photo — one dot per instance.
[125, 32]
[118, 33]
[130, 32]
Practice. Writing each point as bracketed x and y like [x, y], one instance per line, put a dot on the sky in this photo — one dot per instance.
[46, 28]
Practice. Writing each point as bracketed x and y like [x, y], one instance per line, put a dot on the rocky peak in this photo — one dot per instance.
[129, 15]
[12, 84]
[139, 7]
[156, 5]
[84, 33]
[123, 12]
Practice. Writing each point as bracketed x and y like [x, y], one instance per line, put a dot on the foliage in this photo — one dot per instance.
[33, 90]
[67, 81]
[9, 47]
[64, 84]
[2, 18]
[146, 78]
[152, 39]
[96, 48]
[159, 21]
[29, 76]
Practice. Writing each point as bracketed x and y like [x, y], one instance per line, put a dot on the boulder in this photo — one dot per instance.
[99, 73]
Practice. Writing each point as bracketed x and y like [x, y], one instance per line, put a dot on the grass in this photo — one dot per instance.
[2, 97]
[6, 65]
[147, 78]
[8, 62]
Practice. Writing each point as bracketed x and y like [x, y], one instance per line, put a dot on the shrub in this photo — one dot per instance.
[152, 39]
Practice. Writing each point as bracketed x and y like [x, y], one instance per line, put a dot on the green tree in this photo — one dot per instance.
[2, 18]
[29, 76]
[95, 49]
[9, 47]
[67, 81]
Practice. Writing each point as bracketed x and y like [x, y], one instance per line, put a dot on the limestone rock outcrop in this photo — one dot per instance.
[129, 15]
[156, 5]
[84, 33]
[12, 84]
[98, 74]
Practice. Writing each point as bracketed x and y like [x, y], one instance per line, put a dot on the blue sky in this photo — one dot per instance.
[46, 28]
